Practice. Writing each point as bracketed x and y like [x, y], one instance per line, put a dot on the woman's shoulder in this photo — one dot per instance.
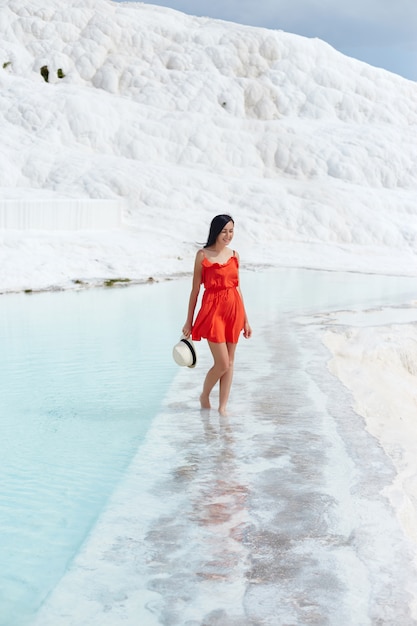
[199, 259]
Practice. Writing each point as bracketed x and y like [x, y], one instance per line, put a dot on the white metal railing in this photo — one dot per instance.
[61, 214]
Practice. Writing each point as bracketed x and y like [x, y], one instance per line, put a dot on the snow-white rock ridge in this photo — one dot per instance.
[185, 117]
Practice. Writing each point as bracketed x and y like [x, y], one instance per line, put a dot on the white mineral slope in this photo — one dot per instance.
[312, 152]
[374, 353]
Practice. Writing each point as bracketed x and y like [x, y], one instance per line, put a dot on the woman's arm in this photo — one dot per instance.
[247, 330]
[194, 293]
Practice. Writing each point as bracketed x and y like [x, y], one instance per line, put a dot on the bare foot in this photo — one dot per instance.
[222, 411]
[205, 402]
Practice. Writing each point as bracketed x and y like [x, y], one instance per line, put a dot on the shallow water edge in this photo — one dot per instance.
[275, 514]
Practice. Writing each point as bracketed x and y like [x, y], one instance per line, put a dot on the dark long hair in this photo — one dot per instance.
[216, 227]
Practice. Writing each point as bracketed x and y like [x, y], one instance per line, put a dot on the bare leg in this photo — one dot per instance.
[226, 380]
[221, 365]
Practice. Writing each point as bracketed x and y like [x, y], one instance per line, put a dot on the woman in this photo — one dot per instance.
[222, 315]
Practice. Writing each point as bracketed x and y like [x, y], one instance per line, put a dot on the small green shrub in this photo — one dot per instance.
[45, 73]
[60, 73]
[6, 64]
[110, 282]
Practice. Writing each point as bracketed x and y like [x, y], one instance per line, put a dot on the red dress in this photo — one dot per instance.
[222, 315]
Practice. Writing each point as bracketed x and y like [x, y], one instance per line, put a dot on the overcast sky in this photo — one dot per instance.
[380, 32]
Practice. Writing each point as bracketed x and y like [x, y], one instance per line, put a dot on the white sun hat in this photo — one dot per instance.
[184, 353]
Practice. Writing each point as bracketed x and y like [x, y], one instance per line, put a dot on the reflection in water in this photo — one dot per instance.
[201, 541]
[221, 501]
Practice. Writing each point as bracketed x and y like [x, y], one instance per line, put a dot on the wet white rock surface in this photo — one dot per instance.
[273, 515]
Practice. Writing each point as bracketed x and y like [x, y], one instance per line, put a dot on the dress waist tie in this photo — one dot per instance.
[217, 289]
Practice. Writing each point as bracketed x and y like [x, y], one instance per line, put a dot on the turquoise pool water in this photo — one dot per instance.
[82, 375]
